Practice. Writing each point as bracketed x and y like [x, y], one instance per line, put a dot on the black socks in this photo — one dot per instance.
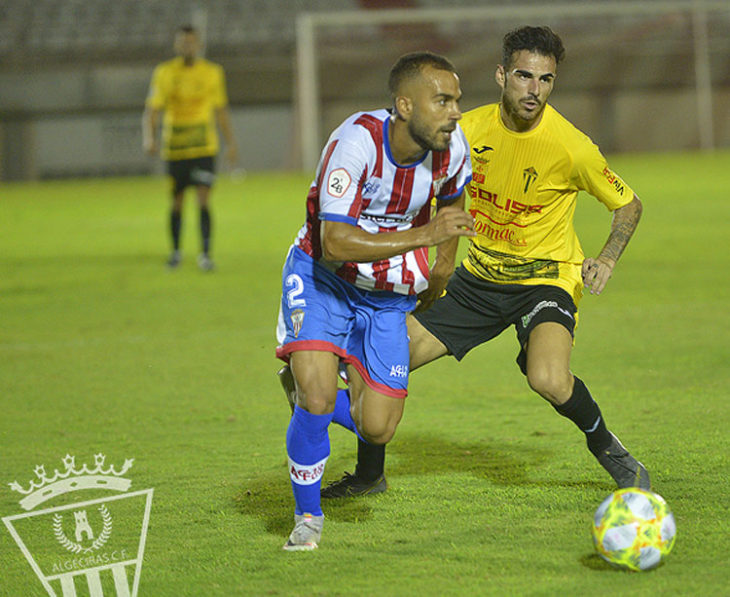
[175, 225]
[205, 228]
[584, 412]
[370, 461]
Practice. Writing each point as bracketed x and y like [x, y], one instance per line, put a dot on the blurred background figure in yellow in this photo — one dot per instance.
[190, 93]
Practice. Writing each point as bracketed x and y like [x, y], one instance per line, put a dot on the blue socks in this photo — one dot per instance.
[308, 447]
[341, 414]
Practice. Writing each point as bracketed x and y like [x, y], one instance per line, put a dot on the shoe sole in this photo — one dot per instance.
[300, 546]
[379, 488]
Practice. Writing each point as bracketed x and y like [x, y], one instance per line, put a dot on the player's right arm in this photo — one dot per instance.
[443, 264]
[344, 242]
[150, 122]
[153, 108]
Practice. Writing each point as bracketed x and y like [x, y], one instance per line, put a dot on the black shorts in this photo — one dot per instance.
[474, 311]
[195, 171]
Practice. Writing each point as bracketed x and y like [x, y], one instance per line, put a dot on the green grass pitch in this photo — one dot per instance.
[104, 351]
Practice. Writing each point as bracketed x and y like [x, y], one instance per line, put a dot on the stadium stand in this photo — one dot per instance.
[80, 58]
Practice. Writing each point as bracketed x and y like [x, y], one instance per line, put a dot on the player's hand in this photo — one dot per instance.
[450, 222]
[151, 147]
[596, 273]
[232, 155]
[436, 284]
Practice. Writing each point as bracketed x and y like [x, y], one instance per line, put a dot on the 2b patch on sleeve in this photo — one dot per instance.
[338, 182]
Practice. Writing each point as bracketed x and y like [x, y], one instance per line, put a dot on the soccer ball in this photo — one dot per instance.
[634, 529]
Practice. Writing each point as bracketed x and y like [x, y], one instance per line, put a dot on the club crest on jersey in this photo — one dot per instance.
[529, 175]
[438, 183]
[338, 182]
[297, 318]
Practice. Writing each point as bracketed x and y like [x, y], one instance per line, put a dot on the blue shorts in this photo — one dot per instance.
[366, 329]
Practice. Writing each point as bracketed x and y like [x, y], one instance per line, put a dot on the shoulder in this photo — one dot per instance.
[478, 116]
[362, 127]
[167, 66]
[570, 134]
[208, 67]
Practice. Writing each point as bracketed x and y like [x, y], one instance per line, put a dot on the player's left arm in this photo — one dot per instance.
[596, 272]
[443, 264]
[223, 116]
[224, 124]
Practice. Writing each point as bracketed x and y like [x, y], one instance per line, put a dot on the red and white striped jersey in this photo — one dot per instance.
[359, 182]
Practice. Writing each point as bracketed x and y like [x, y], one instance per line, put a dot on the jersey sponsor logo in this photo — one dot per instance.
[187, 136]
[529, 175]
[306, 474]
[399, 371]
[389, 219]
[614, 180]
[504, 234]
[482, 149]
[371, 187]
[506, 205]
[526, 319]
[338, 182]
[503, 267]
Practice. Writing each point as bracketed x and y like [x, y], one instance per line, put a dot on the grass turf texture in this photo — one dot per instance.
[103, 350]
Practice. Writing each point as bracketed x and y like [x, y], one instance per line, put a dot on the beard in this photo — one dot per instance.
[516, 109]
[428, 140]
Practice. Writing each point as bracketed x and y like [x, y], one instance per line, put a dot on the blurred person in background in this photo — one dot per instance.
[190, 93]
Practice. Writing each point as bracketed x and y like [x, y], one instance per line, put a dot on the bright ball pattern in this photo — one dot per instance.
[634, 529]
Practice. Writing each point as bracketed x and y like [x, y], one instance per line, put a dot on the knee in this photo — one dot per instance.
[378, 432]
[554, 385]
[318, 401]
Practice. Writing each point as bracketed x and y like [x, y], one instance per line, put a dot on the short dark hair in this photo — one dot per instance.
[541, 40]
[410, 65]
[187, 29]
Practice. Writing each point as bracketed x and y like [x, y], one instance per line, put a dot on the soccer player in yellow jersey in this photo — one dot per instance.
[525, 267]
[191, 92]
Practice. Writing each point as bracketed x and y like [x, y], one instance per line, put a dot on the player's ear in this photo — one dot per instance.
[500, 76]
[403, 107]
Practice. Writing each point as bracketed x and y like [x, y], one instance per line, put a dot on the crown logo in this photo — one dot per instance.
[72, 479]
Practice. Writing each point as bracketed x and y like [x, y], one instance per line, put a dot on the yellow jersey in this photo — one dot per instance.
[523, 196]
[189, 96]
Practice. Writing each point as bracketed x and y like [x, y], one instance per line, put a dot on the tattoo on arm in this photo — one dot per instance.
[625, 221]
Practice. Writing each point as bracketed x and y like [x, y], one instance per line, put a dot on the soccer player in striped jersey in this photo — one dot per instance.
[525, 266]
[190, 92]
[359, 263]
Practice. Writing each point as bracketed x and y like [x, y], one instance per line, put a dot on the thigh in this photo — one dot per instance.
[424, 347]
[538, 305]
[202, 175]
[466, 316]
[202, 171]
[376, 414]
[315, 376]
[315, 311]
[179, 173]
[549, 348]
[548, 361]
[378, 344]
